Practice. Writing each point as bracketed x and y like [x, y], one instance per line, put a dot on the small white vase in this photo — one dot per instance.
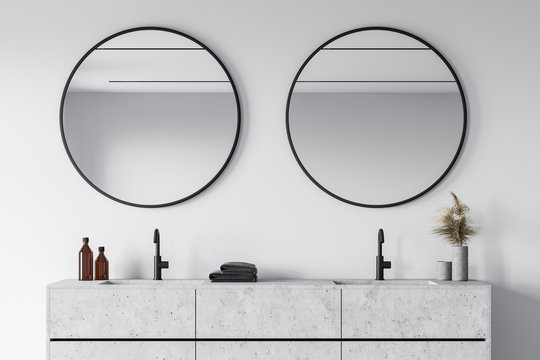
[460, 263]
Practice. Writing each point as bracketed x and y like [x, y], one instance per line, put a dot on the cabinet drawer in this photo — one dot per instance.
[417, 313]
[268, 313]
[121, 313]
[120, 350]
[418, 350]
[268, 350]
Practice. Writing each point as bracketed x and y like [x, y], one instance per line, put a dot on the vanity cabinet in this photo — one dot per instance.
[269, 313]
[127, 320]
[265, 322]
[129, 311]
[428, 311]
[446, 321]
[296, 320]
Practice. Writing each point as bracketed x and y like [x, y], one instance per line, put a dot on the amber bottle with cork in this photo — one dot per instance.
[102, 265]
[86, 260]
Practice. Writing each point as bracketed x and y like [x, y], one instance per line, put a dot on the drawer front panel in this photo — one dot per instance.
[122, 313]
[268, 350]
[417, 313]
[122, 350]
[418, 350]
[268, 313]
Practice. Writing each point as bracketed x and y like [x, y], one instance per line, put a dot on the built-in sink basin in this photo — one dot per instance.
[385, 282]
[127, 282]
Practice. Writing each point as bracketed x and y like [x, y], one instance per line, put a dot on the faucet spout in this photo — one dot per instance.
[380, 242]
[156, 241]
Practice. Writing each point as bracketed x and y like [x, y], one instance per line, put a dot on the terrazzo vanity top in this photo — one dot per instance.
[269, 283]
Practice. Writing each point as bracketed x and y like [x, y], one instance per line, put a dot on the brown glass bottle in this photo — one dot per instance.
[102, 265]
[86, 262]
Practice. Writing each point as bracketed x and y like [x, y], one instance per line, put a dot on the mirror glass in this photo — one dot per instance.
[150, 117]
[376, 117]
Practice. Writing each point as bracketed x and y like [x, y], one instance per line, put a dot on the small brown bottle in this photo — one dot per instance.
[86, 260]
[102, 265]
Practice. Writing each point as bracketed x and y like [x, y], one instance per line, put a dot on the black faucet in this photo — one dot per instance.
[158, 264]
[381, 264]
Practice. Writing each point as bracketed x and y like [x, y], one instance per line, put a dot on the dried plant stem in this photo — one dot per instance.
[454, 224]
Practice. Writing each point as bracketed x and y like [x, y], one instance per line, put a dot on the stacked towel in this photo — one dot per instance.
[235, 272]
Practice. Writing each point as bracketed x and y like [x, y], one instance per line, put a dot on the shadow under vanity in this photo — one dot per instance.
[300, 319]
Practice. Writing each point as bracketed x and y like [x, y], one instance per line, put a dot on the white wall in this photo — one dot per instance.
[263, 209]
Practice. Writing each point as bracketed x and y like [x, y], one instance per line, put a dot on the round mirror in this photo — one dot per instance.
[376, 117]
[150, 117]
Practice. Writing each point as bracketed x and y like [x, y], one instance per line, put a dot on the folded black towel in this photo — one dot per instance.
[235, 271]
[238, 266]
[232, 276]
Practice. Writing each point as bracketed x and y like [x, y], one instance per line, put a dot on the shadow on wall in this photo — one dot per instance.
[515, 315]
[515, 319]
[515, 325]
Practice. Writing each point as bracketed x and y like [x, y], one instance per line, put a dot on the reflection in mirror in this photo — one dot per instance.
[150, 117]
[376, 117]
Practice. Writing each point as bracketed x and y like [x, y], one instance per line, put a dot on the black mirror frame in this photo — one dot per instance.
[464, 129]
[238, 124]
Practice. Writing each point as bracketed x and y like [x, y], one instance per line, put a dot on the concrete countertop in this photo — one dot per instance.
[268, 283]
